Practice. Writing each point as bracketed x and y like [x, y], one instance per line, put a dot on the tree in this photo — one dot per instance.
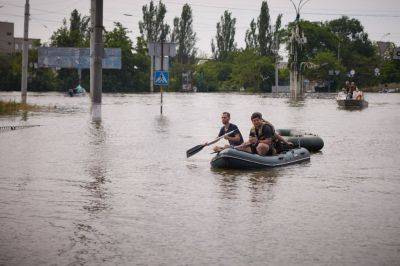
[277, 36]
[267, 41]
[327, 68]
[133, 74]
[185, 36]
[264, 31]
[252, 71]
[153, 28]
[76, 35]
[251, 38]
[225, 37]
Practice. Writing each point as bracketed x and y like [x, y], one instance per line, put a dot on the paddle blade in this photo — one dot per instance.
[194, 150]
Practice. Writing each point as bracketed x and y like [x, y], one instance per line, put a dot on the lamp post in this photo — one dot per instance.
[297, 40]
[24, 66]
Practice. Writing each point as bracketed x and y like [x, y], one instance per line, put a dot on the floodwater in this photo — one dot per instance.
[122, 192]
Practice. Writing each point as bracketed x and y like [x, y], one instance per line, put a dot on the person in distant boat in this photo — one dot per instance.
[235, 138]
[352, 89]
[263, 140]
[346, 88]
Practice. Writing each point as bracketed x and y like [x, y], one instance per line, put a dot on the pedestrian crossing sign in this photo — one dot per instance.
[161, 78]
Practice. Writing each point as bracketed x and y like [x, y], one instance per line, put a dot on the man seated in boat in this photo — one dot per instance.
[235, 138]
[263, 140]
[346, 88]
[352, 89]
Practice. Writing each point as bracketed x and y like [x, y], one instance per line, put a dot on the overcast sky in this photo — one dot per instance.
[378, 17]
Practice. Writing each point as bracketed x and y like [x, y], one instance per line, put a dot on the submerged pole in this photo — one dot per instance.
[25, 48]
[96, 51]
[162, 69]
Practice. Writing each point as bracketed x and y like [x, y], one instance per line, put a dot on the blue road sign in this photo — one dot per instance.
[161, 78]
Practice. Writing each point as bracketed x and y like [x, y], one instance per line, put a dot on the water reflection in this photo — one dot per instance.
[296, 103]
[86, 234]
[24, 116]
[97, 168]
[259, 183]
[228, 182]
[161, 124]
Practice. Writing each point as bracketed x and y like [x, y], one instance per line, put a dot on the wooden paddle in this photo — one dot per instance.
[198, 148]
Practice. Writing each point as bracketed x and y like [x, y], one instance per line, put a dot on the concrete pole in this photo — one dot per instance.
[152, 74]
[96, 51]
[80, 75]
[162, 69]
[25, 48]
[276, 65]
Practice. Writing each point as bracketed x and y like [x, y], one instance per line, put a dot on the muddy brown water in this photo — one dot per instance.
[122, 192]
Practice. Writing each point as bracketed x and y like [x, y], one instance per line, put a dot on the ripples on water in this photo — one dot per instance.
[121, 191]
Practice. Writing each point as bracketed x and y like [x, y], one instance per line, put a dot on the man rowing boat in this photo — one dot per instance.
[235, 138]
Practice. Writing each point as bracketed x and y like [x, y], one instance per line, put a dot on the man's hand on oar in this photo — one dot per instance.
[198, 148]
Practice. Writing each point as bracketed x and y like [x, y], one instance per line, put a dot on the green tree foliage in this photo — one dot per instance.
[225, 37]
[10, 72]
[252, 72]
[133, 75]
[326, 69]
[265, 31]
[39, 79]
[264, 37]
[245, 69]
[184, 35]
[251, 38]
[390, 68]
[355, 46]
[77, 34]
[152, 27]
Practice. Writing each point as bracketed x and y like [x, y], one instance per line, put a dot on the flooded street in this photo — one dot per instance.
[122, 192]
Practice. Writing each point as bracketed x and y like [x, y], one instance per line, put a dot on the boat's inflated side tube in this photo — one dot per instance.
[235, 159]
[311, 142]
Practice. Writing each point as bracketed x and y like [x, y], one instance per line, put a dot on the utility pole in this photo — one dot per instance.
[296, 41]
[162, 69]
[96, 51]
[152, 73]
[277, 64]
[24, 74]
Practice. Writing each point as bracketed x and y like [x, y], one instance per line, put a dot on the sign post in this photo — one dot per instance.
[161, 53]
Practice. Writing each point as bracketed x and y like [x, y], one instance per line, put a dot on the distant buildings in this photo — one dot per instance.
[384, 48]
[10, 44]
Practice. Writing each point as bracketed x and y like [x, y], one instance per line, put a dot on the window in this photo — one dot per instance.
[8, 33]
[16, 46]
[30, 46]
[9, 43]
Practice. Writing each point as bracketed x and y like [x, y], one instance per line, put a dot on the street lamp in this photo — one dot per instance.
[297, 40]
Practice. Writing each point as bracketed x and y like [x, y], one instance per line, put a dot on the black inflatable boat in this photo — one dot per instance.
[234, 159]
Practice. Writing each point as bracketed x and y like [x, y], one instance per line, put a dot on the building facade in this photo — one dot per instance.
[6, 37]
[10, 44]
